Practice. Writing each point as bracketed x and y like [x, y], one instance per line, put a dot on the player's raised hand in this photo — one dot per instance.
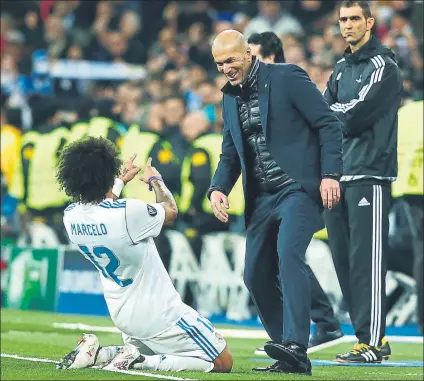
[149, 171]
[129, 170]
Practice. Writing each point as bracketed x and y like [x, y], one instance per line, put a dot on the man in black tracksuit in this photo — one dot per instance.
[364, 91]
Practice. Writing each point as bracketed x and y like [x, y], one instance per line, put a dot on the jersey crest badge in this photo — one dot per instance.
[152, 211]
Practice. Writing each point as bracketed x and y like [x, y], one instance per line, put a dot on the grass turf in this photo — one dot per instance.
[31, 334]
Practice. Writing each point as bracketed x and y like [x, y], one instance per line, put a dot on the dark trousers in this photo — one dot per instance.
[282, 223]
[358, 229]
[322, 313]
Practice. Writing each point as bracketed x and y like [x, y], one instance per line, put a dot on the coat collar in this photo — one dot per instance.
[372, 48]
[258, 68]
[264, 72]
[253, 73]
[231, 107]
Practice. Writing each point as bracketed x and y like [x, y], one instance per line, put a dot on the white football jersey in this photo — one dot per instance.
[117, 237]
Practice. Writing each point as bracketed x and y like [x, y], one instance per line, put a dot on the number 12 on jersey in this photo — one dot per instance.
[101, 252]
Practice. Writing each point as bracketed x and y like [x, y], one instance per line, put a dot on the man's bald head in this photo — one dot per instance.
[232, 55]
[230, 39]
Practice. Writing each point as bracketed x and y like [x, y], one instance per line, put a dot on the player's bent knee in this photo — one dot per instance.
[224, 362]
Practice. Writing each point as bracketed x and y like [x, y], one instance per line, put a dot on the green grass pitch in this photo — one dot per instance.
[31, 335]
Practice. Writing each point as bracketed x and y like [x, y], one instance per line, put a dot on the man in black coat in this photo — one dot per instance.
[280, 134]
[269, 49]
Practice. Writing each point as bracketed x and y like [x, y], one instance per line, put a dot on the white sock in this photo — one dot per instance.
[171, 363]
[106, 354]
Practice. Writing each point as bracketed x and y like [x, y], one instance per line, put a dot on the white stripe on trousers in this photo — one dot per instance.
[376, 314]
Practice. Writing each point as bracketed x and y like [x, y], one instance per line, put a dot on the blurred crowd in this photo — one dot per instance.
[172, 40]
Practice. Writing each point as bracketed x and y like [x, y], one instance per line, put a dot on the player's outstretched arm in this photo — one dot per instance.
[152, 177]
[166, 199]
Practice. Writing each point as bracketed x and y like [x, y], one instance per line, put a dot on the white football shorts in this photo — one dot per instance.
[192, 336]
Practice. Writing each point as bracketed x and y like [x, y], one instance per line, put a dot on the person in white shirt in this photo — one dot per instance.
[272, 18]
[159, 331]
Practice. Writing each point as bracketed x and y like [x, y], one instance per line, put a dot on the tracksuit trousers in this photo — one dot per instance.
[358, 229]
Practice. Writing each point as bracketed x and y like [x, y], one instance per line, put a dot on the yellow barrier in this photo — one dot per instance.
[410, 151]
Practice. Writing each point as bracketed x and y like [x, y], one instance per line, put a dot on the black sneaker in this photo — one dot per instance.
[321, 337]
[289, 353]
[361, 353]
[281, 367]
[386, 351]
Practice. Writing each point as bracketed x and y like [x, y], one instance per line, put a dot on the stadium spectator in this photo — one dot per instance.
[33, 30]
[267, 47]
[10, 151]
[272, 17]
[311, 12]
[56, 36]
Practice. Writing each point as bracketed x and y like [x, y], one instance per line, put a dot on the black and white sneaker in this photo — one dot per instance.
[361, 353]
[386, 351]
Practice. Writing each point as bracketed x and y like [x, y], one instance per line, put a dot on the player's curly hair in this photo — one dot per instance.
[87, 169]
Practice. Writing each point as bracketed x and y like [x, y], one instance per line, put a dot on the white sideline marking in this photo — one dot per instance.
[397, 374]
[85, 327]
[132, 372]
[27, 358]
[344, 339]
[241, 334]
[233, 333]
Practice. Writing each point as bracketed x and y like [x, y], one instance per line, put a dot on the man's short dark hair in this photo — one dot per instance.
[364, 5]
[270, 45]
[87, 169]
